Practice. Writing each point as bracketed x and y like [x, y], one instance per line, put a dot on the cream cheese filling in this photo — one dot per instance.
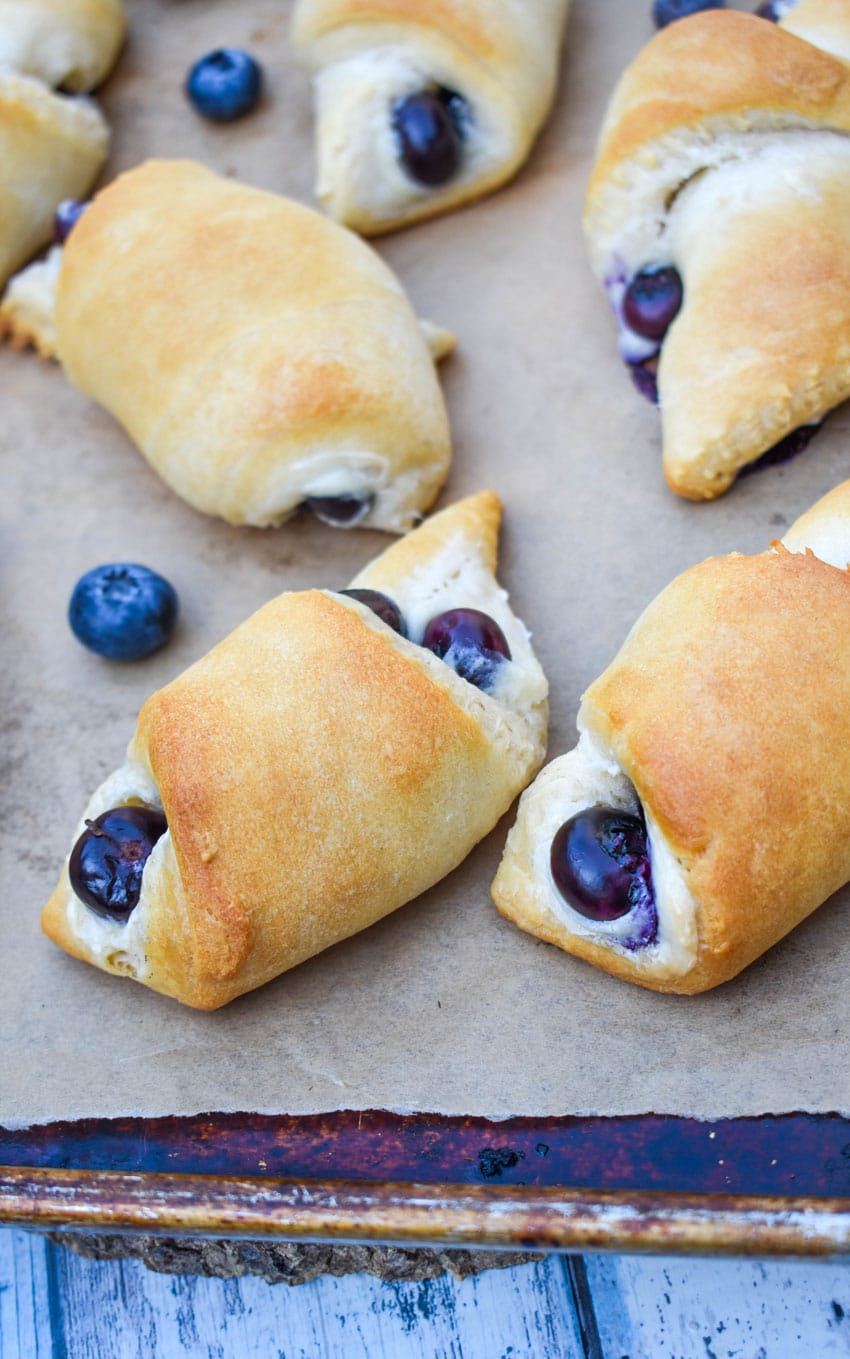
[115, 945]
[590, 776]
[358, 155]
[456, 579]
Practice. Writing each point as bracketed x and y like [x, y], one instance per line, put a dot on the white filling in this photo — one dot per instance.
[118, 946]
[456, 579]
[358, 150]
[589, 776]
[632, 226]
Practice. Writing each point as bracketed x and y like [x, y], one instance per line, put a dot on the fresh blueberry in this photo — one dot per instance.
[652, 300]
[122, 611]
[600, 865]
[224, 84]
[382, 605]
[429, 128]
[108, 860]
[340, 511]
[67, 215]
[665, 11]
[471, 642]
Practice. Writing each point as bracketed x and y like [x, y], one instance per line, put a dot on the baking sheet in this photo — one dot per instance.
[444, 1006]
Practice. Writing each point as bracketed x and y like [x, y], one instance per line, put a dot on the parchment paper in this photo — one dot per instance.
[444, 1006]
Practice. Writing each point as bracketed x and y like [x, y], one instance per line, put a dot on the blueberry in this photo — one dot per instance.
[122, 611]
[471, 642]
[645, 378]
[600, 865]
[665, 11]
[67, 215]
[774, 10]
[429, 128]
[382, 605]
[224, 84]
[340, 511]
[652, 300]
[108, 860]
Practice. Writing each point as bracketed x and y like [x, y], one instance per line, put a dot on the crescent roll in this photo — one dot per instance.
[717, 219]
[423, 107]
[70, 44]
[315, 771]
[51, 147]
[272, 359]
[705, 810]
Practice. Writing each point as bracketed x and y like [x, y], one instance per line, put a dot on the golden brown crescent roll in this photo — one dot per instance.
[705, 810]
[314, 771]
[273, 357]
[422, 107]
[718, 220]
[67, 43]
[51, 147]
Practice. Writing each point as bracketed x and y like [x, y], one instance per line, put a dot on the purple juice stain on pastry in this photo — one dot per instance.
[645, 378]
[599, 862]
[108, 860]
[68, 213]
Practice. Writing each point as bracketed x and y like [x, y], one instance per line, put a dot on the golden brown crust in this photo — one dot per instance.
[51, 148]
[719, 64]
[725, 153]
[729, 708]
[268, 347]
[316, 771]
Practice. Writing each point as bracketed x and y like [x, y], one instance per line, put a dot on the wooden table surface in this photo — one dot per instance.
[57, 1305]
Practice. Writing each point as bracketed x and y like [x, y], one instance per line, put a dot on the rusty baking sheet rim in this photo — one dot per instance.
[320, 1180]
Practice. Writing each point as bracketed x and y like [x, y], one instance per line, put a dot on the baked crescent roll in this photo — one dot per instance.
[51, 147]
[67, 43]
[273, 358]
[312, 773]
[718, 220]
[420, 108]
[705, 810]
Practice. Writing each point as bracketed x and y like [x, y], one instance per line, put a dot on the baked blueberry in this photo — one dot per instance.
[123, 611]
[224, 84]
[67, 215]
[108, 860]
[600, 863]
[429, 129]
[471, 642]
[665, 11]
[774, 10]
[652, 300]
[645, 378]
[340, 511]
[382, 605]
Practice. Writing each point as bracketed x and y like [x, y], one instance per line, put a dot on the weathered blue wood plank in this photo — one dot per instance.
[121, 1310]
[720, 1309]
[25, 1294]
